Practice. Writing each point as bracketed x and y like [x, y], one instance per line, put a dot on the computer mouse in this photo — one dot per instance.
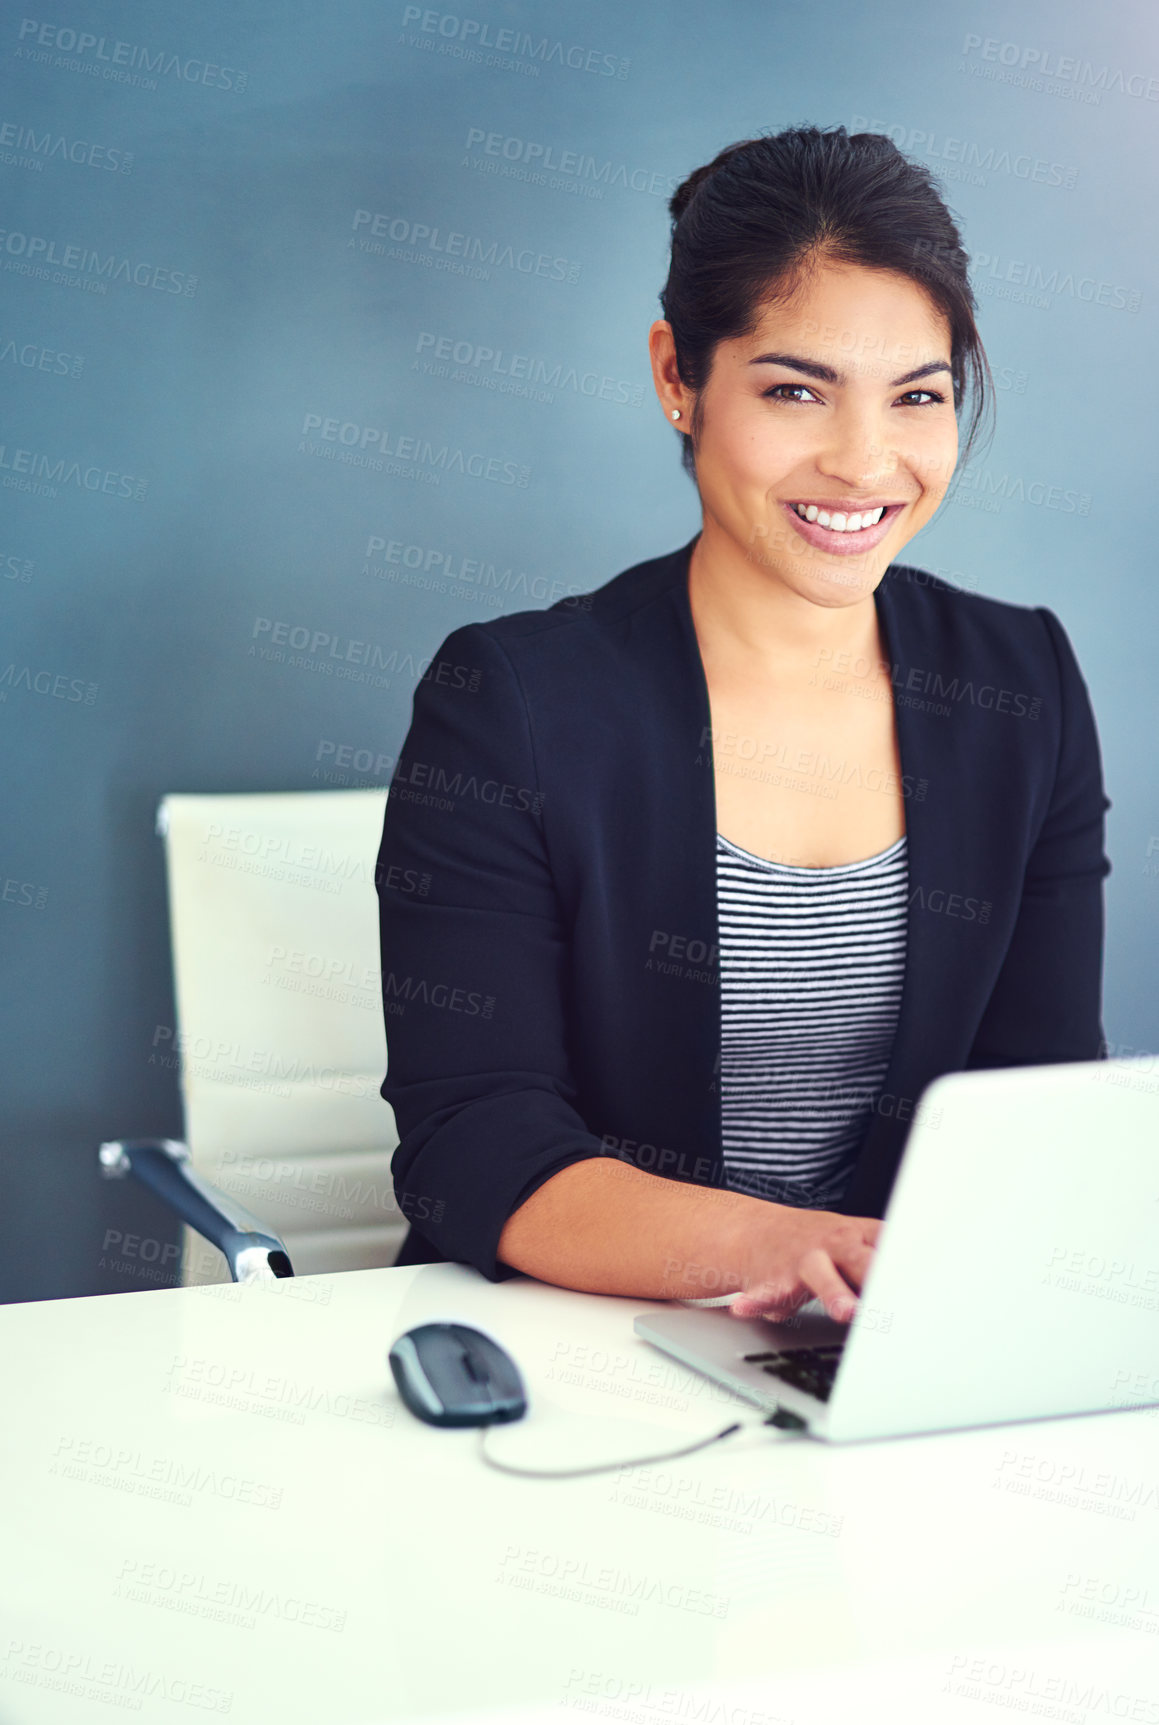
[453, 1375]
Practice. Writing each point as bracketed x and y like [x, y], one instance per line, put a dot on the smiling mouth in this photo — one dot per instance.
[844, 521]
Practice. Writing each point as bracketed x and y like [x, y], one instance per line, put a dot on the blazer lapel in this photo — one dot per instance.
[946, 854]
[951, 862]
[930, 843]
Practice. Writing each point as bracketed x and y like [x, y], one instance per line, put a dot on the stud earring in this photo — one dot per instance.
[676, 413]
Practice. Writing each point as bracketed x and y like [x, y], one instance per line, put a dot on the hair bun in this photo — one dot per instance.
[687, 189]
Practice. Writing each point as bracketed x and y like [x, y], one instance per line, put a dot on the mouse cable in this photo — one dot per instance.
[780, 1417]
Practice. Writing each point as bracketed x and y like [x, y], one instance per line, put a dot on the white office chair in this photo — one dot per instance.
[279, 1039]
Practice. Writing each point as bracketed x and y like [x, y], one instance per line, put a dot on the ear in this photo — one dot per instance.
[671, 393]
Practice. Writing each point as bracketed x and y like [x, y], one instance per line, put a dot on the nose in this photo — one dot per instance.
[857, 453]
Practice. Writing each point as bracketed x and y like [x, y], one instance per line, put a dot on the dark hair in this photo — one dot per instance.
[748, 226]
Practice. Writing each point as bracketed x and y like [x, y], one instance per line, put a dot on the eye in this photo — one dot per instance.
[931, 395]
[773, 395]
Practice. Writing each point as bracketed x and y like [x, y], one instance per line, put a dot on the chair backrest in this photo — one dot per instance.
[279, 1035]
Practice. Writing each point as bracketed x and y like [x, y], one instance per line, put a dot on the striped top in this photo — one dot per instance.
[811, 968]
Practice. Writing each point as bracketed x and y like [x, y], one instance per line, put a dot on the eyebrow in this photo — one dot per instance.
[826, 373]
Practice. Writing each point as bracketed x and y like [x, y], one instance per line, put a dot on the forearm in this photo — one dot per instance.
[604, 1227]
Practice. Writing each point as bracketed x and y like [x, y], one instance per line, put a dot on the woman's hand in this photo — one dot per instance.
[791, 1256]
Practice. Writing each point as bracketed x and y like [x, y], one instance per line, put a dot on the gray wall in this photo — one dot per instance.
[287, 193]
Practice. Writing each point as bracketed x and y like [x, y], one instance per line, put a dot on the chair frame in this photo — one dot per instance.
[253, 1253]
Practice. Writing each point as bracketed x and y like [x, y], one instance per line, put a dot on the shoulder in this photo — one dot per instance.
[1022, 653]
[580, 623]
[633, 613]
[971, 622]
[923, 593]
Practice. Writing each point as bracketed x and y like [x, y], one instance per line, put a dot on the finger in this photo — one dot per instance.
[827, 1282]
[770, 1314]
[853, 1259]
[770, 1300]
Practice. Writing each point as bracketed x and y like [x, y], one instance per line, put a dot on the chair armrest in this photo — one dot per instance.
[163, 1164]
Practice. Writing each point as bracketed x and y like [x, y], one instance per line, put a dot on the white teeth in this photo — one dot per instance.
[839, 523]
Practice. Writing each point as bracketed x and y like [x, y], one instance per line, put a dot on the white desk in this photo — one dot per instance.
[214, 1502]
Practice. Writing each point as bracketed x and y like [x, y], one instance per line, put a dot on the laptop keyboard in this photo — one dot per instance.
[809, 1369]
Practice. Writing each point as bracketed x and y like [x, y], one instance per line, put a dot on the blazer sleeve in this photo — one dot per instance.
[474, 961]
[1046, 1004]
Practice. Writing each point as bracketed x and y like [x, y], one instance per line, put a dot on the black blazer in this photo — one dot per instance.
[547, 888]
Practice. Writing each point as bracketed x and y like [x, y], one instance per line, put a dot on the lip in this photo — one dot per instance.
[848, 505]
[843, 544]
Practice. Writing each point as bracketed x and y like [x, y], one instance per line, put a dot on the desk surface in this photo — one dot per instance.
[215, 1503]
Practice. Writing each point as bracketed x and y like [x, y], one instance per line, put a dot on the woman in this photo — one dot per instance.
[718, 867]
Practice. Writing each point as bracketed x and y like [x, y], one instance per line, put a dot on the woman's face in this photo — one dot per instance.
[840, 404]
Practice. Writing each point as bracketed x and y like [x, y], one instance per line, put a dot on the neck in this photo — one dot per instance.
[745, 610]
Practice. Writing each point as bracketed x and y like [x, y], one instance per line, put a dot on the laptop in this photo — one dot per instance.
[1016, 1274]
